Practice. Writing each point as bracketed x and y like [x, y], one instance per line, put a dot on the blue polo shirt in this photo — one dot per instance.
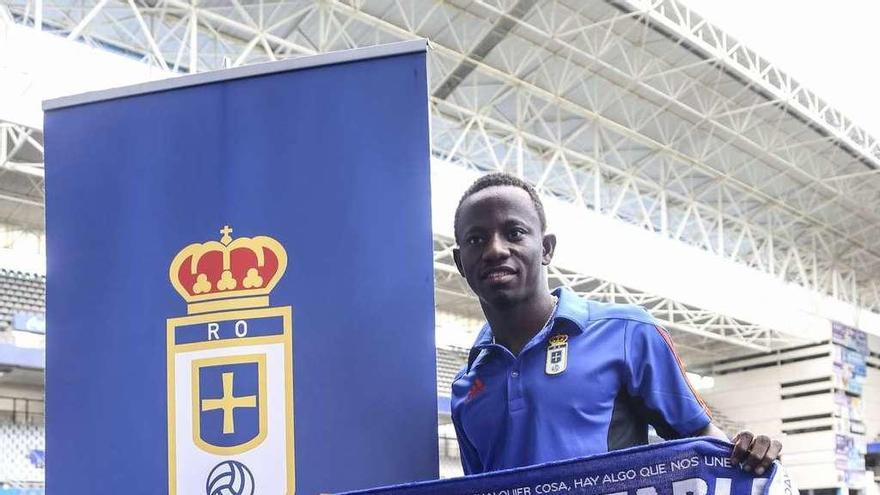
[622, 375]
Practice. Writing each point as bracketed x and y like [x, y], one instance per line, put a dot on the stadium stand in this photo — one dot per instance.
[22, 430]
[19, 292]
[22, 458]
[449, 361]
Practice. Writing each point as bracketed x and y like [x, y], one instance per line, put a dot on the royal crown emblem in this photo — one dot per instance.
[228, 274]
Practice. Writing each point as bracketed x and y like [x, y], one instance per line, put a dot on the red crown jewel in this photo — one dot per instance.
[230, 268]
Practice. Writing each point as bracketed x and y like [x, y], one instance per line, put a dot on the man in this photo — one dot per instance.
[553, 376]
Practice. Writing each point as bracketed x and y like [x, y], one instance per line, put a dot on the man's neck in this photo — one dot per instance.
[514, 326]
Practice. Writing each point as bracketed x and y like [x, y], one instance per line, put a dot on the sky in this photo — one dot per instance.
[832, 47]
[37, 65]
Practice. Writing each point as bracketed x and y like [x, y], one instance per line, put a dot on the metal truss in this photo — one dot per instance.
[717, 44]
[21, 186]
[16, 141]
[703, 335]
[637, 109]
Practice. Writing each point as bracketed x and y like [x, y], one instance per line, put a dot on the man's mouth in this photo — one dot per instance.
[499, 275]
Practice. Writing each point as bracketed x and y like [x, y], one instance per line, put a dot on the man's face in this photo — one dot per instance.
[501, 249]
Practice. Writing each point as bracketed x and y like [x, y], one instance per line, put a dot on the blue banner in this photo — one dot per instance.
[684, 467]
[240, 272]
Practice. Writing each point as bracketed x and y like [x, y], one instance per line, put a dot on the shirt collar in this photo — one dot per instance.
[571, 307]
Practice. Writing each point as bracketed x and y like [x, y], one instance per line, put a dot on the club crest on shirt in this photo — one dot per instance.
[557, 354]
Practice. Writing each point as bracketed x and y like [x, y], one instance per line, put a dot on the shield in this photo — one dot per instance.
[229, 403]
[230, 397]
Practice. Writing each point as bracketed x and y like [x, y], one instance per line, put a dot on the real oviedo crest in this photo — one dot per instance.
[230, 371]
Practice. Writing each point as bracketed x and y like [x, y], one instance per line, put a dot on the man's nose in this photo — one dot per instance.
[496, 248]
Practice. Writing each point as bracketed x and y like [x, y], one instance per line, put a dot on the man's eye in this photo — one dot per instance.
[473, 240]
[517, 234]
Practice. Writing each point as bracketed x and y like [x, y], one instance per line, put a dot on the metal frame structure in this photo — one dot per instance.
[21, 185]
[637, 109]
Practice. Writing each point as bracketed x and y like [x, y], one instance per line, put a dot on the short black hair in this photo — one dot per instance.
[501, 179]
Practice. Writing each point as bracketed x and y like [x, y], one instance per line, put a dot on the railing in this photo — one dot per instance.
[21, 410]
[448, 447]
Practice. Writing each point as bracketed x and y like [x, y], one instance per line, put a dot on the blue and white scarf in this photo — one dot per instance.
[698, 466]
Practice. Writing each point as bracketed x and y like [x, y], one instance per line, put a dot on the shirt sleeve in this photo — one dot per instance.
[657, 377]
[470, 461]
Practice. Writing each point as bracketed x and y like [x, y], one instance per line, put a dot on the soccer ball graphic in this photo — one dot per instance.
[230, 478]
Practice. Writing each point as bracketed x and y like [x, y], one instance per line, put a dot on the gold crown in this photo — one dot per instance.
[229, 274]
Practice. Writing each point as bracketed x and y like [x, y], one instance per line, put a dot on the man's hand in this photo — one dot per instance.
[755, 453]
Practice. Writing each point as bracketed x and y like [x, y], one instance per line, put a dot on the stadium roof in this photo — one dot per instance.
[639, 110]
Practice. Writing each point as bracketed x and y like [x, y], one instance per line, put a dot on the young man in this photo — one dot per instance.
[553, 376]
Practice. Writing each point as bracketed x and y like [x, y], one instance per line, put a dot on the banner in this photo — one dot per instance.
[683, 467]
[240, 272]
[849, 352]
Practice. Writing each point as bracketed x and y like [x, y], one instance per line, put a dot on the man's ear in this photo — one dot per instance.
[456, 255]
[549, 243]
